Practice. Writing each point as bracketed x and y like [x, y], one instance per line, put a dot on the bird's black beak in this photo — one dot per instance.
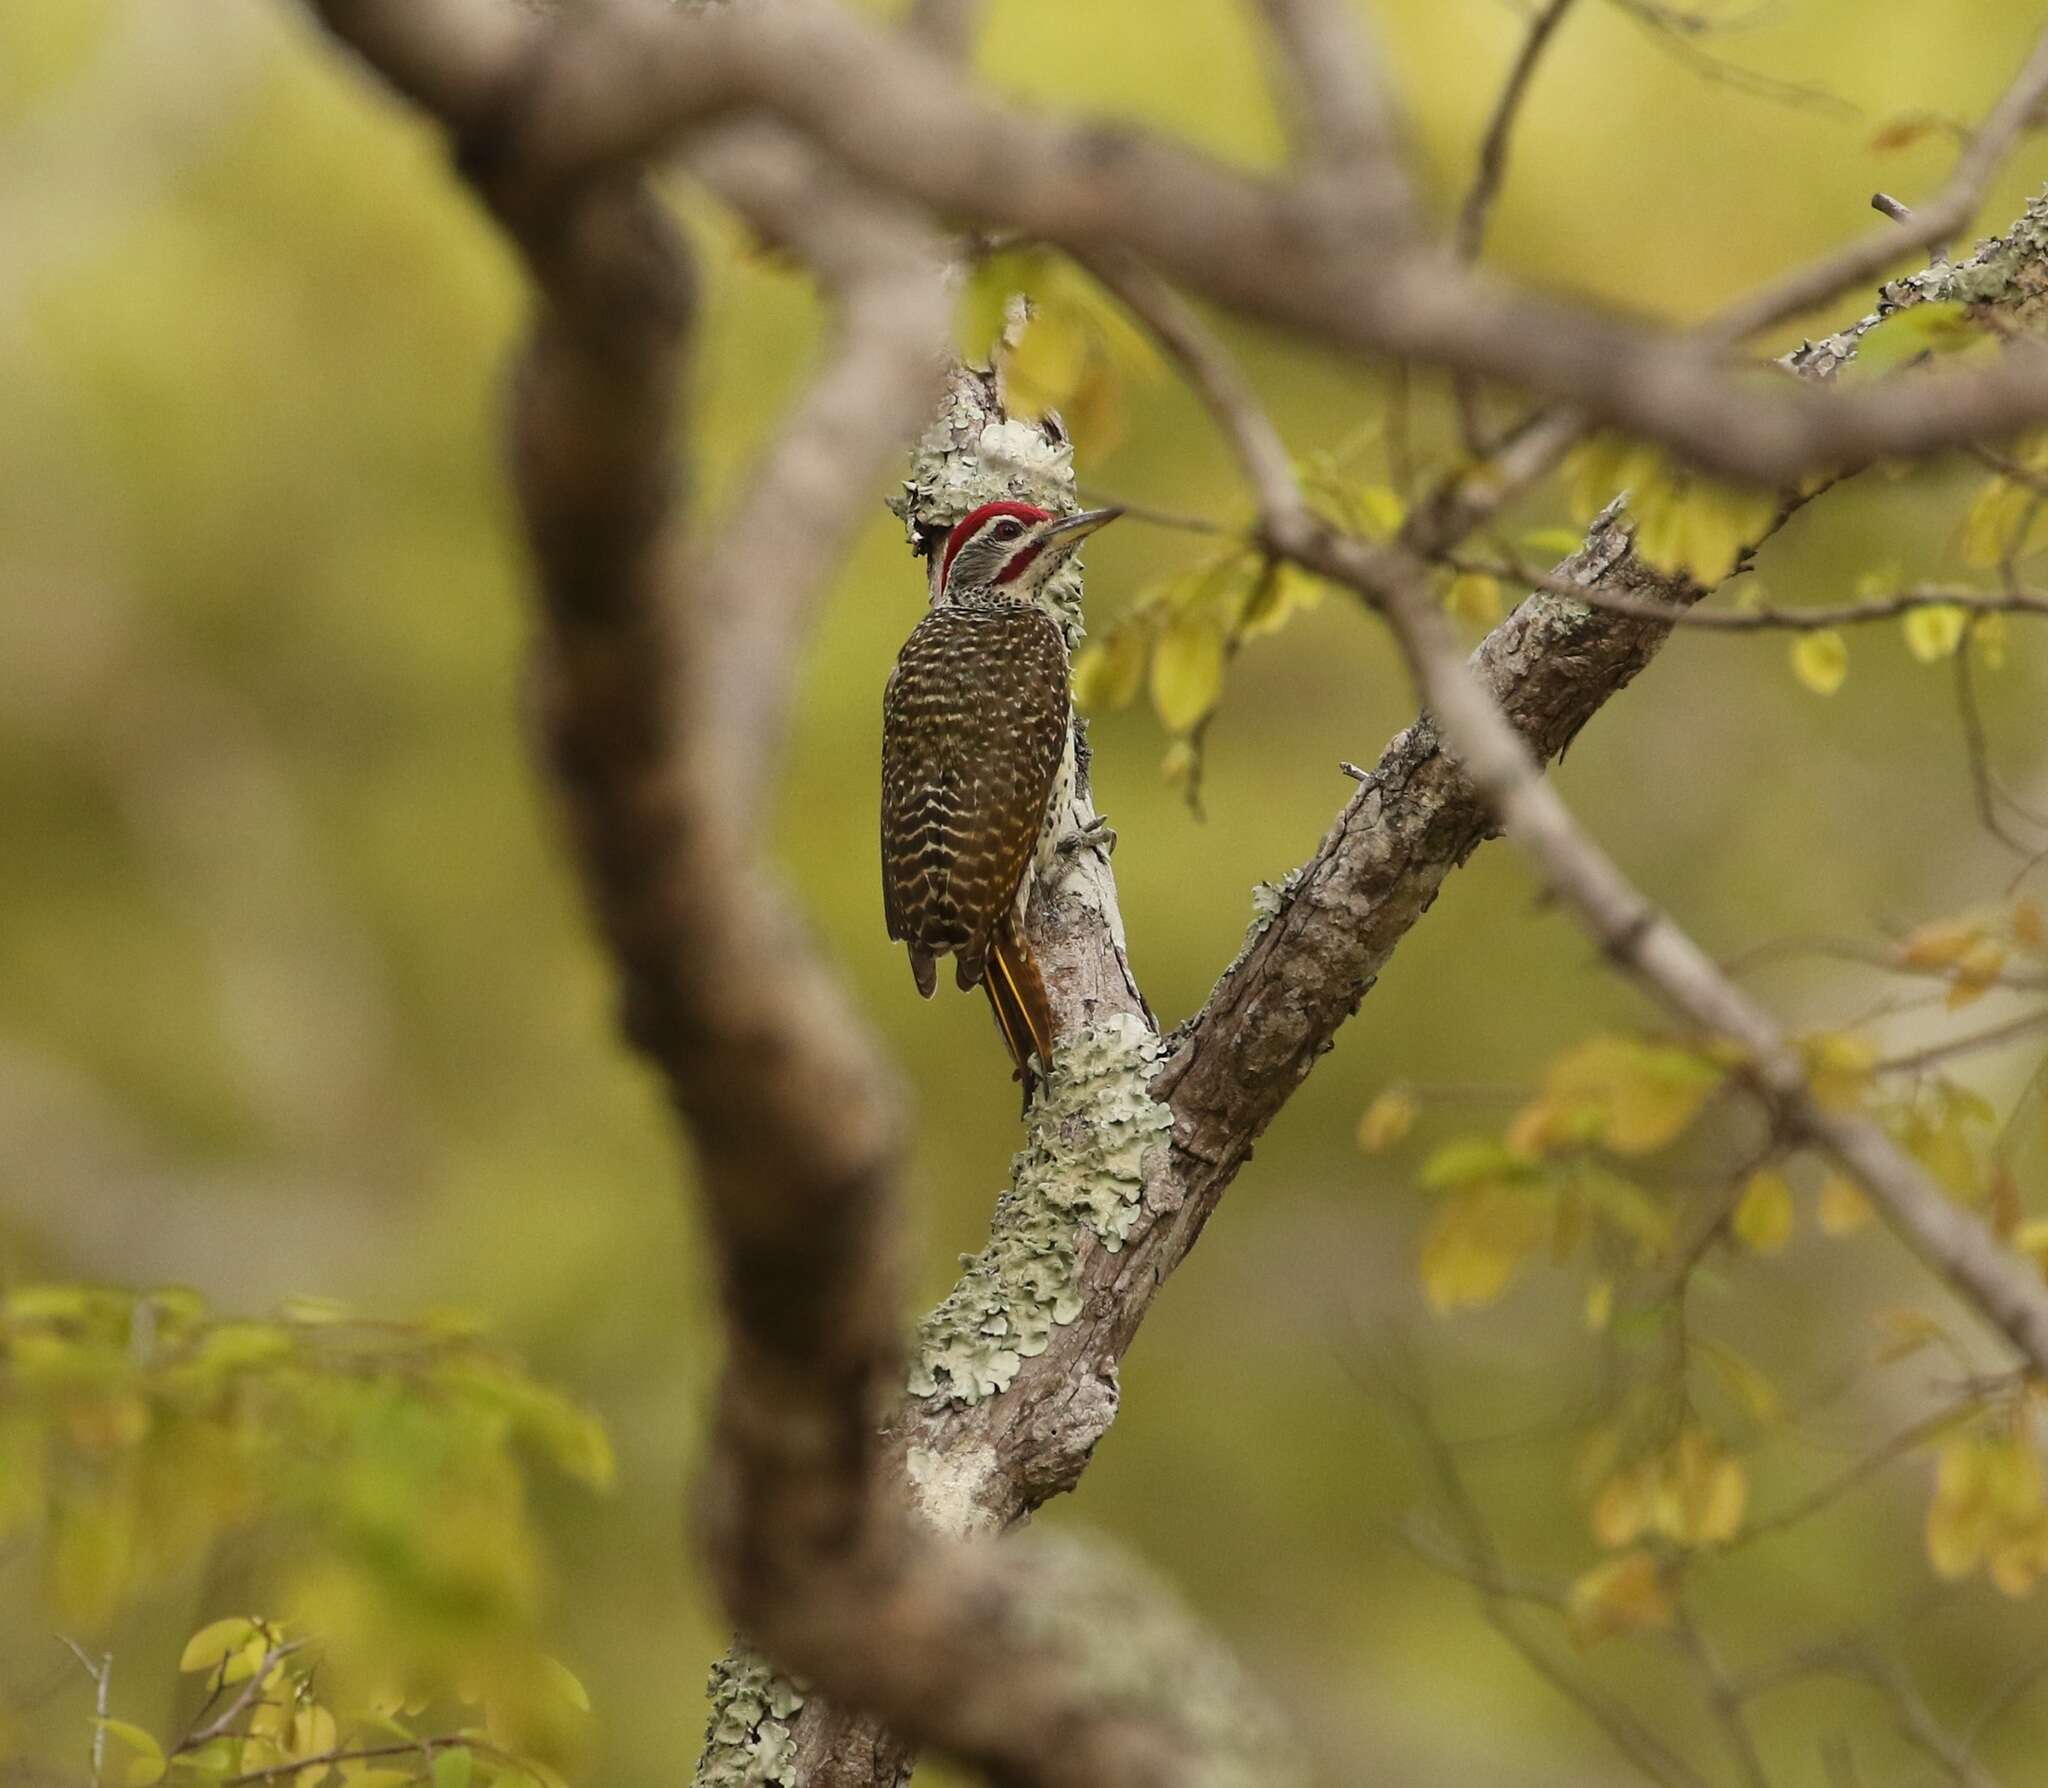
[1066, 534]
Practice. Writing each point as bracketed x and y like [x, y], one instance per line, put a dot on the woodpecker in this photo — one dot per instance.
[978, 765]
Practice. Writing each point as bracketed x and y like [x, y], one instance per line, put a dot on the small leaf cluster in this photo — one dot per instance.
[269, 1715]
[1934, 632]
[384, 1462]
[1177, 638]
[1661, 1481]
[1989, 1511]
[1687, 1494]
[1696, 526]
[1555, 1179]
[1058, 342]
[1971, 951]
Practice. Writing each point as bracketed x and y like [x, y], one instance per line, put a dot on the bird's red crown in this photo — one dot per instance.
[975, 520]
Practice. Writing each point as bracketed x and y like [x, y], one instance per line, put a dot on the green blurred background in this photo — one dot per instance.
[295, 995]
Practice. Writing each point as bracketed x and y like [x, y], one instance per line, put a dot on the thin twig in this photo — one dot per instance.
[252, 1691]
[2023, 1026]
[1481, 1567]
[1984, 788]
[1469, 234]
[1721, 1696]
[1763, 618]
[1927, 226]
[102, 1674]
[1907, 1440]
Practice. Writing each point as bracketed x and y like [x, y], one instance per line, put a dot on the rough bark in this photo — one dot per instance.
[1015, 1380]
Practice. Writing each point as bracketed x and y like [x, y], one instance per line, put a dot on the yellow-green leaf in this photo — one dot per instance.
[1045, 368]
[567, 1684]
[1843, 1208]
[1937, 327]
[1699, 526]
[1939, 944]
[1821, 660]
[1109, 670]
[1634, 1097]
[2004, 521]
[212, 1643]
[1988, 641]
[138, 1739]
[1474, 596]
[1187, 671]
[1379, 509]
[1622, 1595]
[1746, 1383]
[1275, 597]
[1764, 1218]
[1599, 470]
[1386, 1120]
[1478, 1242]
[1599, 1308]
[1934, 632]
[453, 1767]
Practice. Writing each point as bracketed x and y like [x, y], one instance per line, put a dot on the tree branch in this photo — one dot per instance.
[1497, 758]
[1469, 235]
[635, 77]
[1347, 131]
[665, 671]
[1926, 226]
[1020, 1360]
[1503, 765]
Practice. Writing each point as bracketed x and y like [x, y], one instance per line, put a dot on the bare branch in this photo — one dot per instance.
[637, 76]
[666, 670]
[1927, 226]
[1764, 618]
[1722, 1697]
[948, 26]
[1349, 137]
[1956, 1247]
[1470, 232]
[1480, 1566]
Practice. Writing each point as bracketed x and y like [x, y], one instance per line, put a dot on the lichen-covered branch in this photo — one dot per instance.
[665, 663]
[1548, 668]
[1018, 1369]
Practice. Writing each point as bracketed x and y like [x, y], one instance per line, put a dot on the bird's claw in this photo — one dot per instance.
[1097, 834]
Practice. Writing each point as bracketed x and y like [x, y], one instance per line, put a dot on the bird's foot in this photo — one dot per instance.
[1097, 834]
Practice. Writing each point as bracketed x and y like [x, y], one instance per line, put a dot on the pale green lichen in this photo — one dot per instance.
[1269, 901]
[975, 453]
[1082, 1167]
[747, 1740]
[2009, 270]
[1125, 1634]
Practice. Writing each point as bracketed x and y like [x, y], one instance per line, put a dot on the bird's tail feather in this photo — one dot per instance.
[1016, 993]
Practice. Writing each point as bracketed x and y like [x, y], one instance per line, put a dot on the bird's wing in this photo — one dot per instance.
[974, 724]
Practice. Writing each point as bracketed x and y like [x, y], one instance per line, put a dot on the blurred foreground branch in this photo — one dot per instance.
[668, 659]
[666, 663]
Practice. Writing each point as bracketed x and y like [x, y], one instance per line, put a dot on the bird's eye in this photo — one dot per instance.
[1009, 530]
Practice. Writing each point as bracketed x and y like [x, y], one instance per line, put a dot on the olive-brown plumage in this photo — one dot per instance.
[977, 754]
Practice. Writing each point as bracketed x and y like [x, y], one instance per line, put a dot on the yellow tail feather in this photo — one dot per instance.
[1016, 993]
